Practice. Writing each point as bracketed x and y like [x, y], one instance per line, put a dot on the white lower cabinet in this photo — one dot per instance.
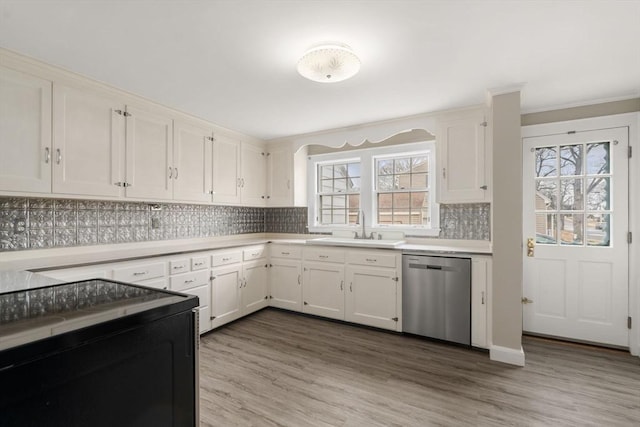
[196, 283]
[255, 289]
[285, 282]
[323, 289]
[372, 296]
[480, 299]
[226, 282]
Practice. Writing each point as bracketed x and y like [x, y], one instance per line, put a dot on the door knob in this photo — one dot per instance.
[530, 245]
[526, 300]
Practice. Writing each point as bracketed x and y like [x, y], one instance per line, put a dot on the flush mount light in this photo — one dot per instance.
[329, 63]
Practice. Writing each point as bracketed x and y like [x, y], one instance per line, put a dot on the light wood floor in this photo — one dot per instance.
[275, 368]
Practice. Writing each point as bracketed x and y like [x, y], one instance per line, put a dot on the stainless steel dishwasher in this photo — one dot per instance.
[436, 297]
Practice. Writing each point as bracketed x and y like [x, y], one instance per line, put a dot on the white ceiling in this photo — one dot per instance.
[234, 62]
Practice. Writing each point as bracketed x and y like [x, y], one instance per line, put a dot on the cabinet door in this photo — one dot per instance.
[226, 170]
[461, 153]
[254, 173]
[88, 142]
[323, 289]
[192, 163]
[149, 155]
[225, 294]
[371, 296]
[285, 284]
[480, 278]
[255, 291]
[280, 168]
[25, 132]
[204, 296]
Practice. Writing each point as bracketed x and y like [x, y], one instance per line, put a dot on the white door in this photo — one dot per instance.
[192, 163]
[226, 170]
[225, 294]
[323, 289]
[280, 167]
[372, 294]
[255, 291]
[149, 155]
[25, 132]
[575, 210]
[254, 173]
[88, 141]
[286, 284]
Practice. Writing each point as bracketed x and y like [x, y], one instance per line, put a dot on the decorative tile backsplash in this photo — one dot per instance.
[32, 223]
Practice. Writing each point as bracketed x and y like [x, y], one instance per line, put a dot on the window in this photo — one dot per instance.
[339, 192]
[402, 191]
[390, 185]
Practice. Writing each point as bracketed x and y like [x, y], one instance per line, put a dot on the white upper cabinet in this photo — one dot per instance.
[192, 161]
[280, 170]
[463, 175]
[25, 132]
[149, 157]
[254, 171]
[88, 143]
[226, 170]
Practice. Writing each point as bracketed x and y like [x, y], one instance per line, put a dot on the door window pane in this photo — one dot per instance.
[546, 160]
[599, 194]
[571, 229]
[546, 228]
[572, 195]
[598, 158]
[546, 195]
[598, 229]
[570, 160]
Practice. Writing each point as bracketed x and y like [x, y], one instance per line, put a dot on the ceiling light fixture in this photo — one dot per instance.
[329, 63]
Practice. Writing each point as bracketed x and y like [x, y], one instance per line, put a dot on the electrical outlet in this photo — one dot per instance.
[155, 223]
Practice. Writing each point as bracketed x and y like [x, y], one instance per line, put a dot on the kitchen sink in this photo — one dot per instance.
[345, 241]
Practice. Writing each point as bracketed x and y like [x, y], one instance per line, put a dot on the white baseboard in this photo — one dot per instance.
[507, 355]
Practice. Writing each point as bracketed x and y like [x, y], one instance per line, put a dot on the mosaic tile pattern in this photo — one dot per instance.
[32, 223]
[468, 221]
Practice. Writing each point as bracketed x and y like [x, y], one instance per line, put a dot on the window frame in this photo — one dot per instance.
[368, 192]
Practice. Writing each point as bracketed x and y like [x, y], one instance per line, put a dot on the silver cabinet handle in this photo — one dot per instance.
[371, 260]
[189, 281]
[342, 285]
[59, 156]
[242, 180]
[444, 172]
[238, 183]
[323, 256]
[226, 259]
[47, 155]
[350, 287]
[483, 187]
[284, 253]
[170, 172]
[178, 267]
[176, 170]
[482, 299]
[299, 279]
[288, 184]
[140, 273]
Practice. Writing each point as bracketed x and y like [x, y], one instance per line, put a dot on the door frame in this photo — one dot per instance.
[632, 121]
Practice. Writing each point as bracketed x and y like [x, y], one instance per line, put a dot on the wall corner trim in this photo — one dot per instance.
[507, 355]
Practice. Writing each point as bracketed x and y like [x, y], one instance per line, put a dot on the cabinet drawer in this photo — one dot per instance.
[181, 282]
[372, 258]
[203, 294]
[291, 252]
[199, 262]
[161, 283]
[224, 258]
[256, 252]
[326, 255]
[136, 273]
[179, 266]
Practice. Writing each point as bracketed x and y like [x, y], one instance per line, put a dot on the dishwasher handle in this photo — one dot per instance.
[433, 267]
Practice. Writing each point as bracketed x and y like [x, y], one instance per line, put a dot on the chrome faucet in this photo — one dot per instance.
[364, 234]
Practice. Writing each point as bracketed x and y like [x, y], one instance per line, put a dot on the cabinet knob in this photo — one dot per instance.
[483, 187]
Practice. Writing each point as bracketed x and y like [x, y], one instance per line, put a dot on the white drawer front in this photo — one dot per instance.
[224, 258]
[162, 283]
[202, 292]
[177, 266]
[378, 258]
[199, 262]
[281, 251]
[136, 273]
[189, 280]
[255, 252]
[326, 255]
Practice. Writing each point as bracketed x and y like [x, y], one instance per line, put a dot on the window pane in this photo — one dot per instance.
[598, 158]
[326, 186]
[339, 202]
[419, 180]
[400, 200]
[385, 201]
[402, 165]
[419, 200]
[403, 181]
[571, 229]
[325, 202]
[353, 216]
[546, 229]
[546, 195]
[353, 169]
[418, 216]
[419, 165]
[353, 184]
[385, 216]
[546, 161]
[339, 216]
[385, 167]
[572, 194]
[339, 171]
[326, 171]
[385, 183]
[325, 216]
[340, 185]
[570, 160]
[354, 202]
[599, 194]
[598, 230]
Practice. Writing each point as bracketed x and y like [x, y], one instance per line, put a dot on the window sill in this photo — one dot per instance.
[408, 231]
